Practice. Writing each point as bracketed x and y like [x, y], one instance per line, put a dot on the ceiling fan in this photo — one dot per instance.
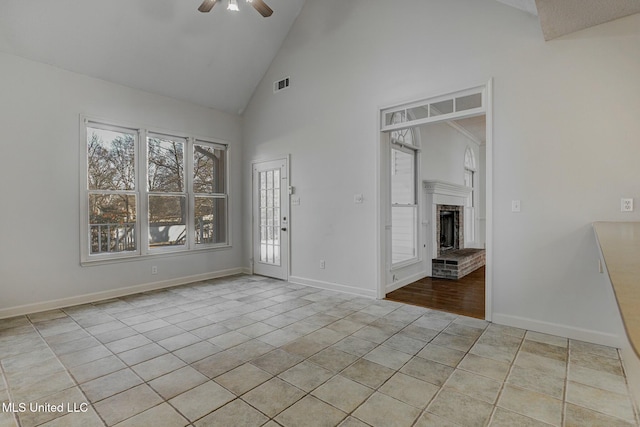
[258, 5]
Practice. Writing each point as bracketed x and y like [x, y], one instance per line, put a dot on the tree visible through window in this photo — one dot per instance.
[209, 191]
[167, 195]
[183, 207]
[112, 190]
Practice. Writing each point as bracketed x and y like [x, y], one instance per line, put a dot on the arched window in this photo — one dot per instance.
[402, 136]
[469, 160]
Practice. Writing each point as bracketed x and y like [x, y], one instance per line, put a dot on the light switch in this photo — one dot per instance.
[515, 206]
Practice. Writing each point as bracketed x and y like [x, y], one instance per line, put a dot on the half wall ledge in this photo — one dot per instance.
[619, 246]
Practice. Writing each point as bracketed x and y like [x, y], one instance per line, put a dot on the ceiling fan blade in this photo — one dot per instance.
[207, 5]
[262, 7]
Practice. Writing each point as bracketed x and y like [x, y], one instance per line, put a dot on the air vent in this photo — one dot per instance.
[280, 85]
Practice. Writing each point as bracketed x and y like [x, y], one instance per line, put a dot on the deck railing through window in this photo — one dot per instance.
[116, 237]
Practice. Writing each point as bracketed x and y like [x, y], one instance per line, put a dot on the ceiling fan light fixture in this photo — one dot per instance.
[233, 5]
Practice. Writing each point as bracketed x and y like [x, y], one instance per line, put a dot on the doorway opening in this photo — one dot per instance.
[448, 265]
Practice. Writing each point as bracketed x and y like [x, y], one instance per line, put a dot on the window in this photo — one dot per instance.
[112, 195]
[469, 208]
[461, 104]
[209, 188]
[167, 193]
[404, 205]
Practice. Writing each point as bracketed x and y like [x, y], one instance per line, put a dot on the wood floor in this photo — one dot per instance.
[464, 296]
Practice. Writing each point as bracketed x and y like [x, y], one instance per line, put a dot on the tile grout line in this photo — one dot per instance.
[127, 366]
[4, 378]
[504, 381]
[235, 314]
[634, 404]
[77, 385]
[565, 392]
[163, 400]
[441, 387]
[209, 379]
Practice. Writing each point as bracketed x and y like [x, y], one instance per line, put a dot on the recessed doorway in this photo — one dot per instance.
[440, 255]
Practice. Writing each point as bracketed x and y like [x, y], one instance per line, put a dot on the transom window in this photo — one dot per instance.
[167, 193]
[468, 103]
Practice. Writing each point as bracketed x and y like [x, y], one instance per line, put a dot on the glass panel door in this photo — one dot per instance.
[269, 208]
[270, 219]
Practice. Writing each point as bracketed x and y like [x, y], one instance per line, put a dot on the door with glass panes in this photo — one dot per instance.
[271, 219]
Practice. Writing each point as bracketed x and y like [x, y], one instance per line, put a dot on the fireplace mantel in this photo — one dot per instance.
[446, 188]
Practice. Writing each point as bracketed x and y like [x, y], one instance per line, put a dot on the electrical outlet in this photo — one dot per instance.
[626, 205]
[154, 269]
[322, 264]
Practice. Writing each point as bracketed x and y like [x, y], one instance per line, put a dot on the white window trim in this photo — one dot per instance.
[470, 167]
[142, 194]
[409, 149]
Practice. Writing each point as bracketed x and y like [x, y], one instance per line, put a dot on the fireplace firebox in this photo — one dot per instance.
[448, 231]
[449, 228]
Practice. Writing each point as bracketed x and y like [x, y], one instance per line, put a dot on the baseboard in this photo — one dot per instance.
[115, 293]
[333, 286]
[404, 282]
[596, 337]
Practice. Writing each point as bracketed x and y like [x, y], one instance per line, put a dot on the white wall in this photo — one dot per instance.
[442, 154]
[39, 170]
[565, 142]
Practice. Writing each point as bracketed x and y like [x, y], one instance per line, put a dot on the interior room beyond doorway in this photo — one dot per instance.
[463, 296]
[438, 172]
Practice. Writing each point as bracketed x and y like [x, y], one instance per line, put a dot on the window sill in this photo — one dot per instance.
[97, 260]
[407, 263]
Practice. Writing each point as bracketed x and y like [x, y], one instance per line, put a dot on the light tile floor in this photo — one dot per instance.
[250, 351]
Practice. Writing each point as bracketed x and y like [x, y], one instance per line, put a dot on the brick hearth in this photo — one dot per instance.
[457, 264]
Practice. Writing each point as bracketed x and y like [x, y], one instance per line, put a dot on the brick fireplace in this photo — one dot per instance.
[450, 258]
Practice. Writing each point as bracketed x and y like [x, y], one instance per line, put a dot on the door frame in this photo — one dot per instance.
[285, 237]
[383, 229]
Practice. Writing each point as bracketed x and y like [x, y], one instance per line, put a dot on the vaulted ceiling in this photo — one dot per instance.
[167, 47]
[215, 59]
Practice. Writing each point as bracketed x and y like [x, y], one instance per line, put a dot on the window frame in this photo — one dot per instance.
[141, 192]
[413, 151]
[192, 194]
[148, 249]
[469, 170]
